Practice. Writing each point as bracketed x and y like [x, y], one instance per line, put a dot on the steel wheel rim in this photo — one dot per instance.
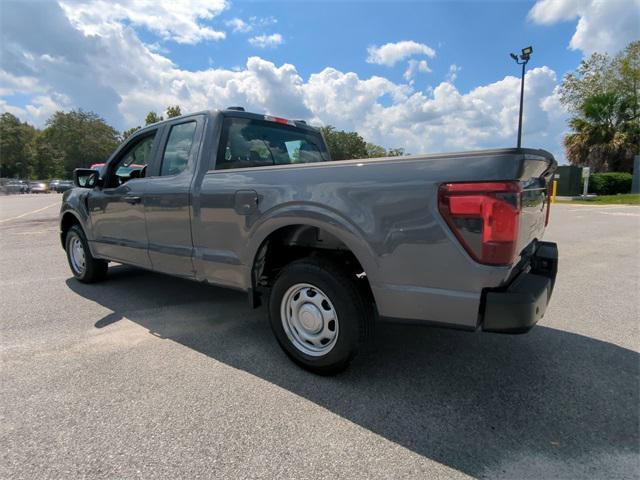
[309, 319]
[76, 253]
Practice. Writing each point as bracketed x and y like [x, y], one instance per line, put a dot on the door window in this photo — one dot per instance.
[179, 144]
[133, 163]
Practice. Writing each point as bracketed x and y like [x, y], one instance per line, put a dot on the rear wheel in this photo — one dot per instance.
[318, 315]
[83, 266]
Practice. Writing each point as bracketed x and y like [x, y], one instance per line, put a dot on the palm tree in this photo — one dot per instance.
[605, 134]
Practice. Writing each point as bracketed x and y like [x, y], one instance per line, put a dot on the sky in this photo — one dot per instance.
[428, 76]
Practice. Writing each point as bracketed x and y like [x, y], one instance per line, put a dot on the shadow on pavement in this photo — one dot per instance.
[549, 403]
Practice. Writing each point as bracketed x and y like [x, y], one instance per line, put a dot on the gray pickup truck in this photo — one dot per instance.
[254, 203]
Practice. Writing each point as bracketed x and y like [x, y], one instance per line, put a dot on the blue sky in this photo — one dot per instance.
[426, 76]
[474, 35]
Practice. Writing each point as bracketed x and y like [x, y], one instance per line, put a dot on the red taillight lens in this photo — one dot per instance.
[484, 217]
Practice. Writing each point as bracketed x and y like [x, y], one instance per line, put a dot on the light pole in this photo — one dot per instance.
[522, 60]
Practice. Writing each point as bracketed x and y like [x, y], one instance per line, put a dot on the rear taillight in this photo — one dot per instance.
[484, 217]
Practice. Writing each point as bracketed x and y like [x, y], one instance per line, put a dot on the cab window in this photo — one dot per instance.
[133, 163]
[256, 143]
[176, 154]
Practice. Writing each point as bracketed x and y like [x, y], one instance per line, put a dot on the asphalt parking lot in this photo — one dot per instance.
[148, 376]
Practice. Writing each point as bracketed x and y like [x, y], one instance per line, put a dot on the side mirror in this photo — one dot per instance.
[86, 178]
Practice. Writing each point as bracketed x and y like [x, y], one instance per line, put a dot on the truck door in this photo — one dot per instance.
[116, 209]
[167, 197]
[242, 186]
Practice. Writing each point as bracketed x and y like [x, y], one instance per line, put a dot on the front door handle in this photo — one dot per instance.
[132, 199]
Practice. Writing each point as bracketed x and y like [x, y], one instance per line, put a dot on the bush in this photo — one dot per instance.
[611, 183]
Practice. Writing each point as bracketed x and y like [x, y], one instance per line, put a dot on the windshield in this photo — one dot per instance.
[258, 143]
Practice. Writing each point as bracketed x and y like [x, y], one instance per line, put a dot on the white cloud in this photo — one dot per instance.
[264, 41]
[11, 84]
[262, 22]
[453, 73]
[345, 100]
[391, 53]
[486, 117]
[121, 78]
[39, 109]
[415, 66]
[603, 26]
[180, 21]
[157, 47]
[238, 25]
[43, 106]
[21, 113]
[443, 120]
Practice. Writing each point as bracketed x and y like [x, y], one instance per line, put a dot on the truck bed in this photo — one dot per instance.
[385, 211]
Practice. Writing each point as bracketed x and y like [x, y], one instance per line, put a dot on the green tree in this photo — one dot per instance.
[48, 162]
[603, 97]
[127, 133]
[80, 138]
[628, 64]
[603, 135]
[152, 117]
[375, 151]
[173, 111]
[602, 74]
[396, 152]
[593, 76]
[350, 145]
[16, 155]
[344, 145]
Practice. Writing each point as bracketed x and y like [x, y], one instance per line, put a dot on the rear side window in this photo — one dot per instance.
[258, 143]
[179, 144]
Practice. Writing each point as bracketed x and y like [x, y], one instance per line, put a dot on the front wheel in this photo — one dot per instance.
[318, 315]
[83, 266]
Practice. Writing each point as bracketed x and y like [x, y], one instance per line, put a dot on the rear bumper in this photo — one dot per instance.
[518, 307]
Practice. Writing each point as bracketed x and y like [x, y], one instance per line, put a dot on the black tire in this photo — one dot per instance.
[348, 301]
[94, 269]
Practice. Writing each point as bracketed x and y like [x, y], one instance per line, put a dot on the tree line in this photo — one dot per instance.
[602, 96]
[78, 139]
[69, 140]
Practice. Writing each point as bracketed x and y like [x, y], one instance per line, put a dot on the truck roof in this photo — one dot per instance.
[235, 112]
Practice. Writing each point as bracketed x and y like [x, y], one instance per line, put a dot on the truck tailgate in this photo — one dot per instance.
[537, 174]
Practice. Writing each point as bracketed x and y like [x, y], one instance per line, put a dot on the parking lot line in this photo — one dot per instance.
[29, 213]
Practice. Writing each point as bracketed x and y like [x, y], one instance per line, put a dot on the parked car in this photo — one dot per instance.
[4, 190]
[64, 185]
[98, 166]
[53, 185]
[254, 202]
[16, 186]
[38, 186]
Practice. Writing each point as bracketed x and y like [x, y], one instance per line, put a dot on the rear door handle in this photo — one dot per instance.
[132, 199]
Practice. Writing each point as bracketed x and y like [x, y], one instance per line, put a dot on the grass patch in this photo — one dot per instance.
[624, 199]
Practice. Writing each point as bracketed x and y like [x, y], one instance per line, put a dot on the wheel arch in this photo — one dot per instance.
[68, 220]
[309, 233]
